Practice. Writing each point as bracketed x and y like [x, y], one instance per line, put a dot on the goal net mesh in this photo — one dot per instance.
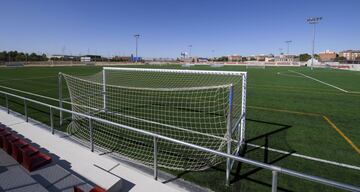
[191, 107]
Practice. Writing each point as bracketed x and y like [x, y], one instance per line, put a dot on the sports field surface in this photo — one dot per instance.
[297, 118]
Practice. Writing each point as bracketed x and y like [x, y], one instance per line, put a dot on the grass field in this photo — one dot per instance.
[286, 111]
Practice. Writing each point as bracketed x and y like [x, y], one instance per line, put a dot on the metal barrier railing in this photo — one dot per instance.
[275, 169]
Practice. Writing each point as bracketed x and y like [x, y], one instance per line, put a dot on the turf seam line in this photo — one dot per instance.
[328, 84]
[307, 157]
[342, 134]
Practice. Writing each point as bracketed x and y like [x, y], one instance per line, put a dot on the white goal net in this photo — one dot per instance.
[206, 108]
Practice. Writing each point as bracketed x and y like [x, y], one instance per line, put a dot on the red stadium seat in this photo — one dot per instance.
[77, 189]
[16, 146]
[3, 135]
[97, 189]
[7, 142]
[28, 151]
[35, 161]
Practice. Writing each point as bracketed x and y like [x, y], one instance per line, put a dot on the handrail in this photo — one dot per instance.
[275, 169]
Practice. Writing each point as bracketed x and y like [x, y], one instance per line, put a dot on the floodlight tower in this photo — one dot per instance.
[213, 55]
[190, 46]
[137, 36]
[313, 21]
[288, 46]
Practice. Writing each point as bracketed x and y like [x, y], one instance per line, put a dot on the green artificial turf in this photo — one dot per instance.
[274, 95]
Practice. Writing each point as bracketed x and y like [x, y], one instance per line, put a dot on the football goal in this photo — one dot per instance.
[205, 108]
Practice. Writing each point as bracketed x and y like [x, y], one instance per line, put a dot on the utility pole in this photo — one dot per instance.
[313, 21]
[137, 36]
[288, 46]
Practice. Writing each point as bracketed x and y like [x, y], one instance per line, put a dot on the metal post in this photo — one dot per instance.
[274, 181]
[243, 109]
[25, 111]
[91, 135]
[51, 121]
[7, 104]
[136, 51]
[60, 99]
[155, 159]
[313, 21]
[104, 88]
[313, 48]
[229, 127]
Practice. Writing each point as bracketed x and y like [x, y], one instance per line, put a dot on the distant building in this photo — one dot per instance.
[260, 57]
[62, 57]
[350, 55]
[234, 58]
[285, 58]
[93, 57]
[327, 56]
[202, 60]
[121, 58]
[85, 59]
[270, 58]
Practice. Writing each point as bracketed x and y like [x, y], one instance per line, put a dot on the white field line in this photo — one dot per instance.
[307, 157]
[289, 75]
[328, 84]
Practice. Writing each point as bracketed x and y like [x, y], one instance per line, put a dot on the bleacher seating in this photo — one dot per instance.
[26, 154]
[16, 146]
[95, 189]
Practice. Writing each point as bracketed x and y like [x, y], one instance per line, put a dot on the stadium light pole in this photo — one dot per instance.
[190, 46]
[288, 46]
[137, 36]
[313, 21]
[213, 55]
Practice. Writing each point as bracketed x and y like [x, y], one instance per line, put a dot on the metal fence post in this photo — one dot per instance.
[91, 135]
[51, 121]
[155, 159]
[229, 132]
[60, 99]
[25, 111]
[104, 88]
[274, 181]
[7, 104]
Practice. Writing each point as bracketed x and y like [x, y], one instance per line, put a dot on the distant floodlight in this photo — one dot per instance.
[313, 21]
[137, 36]
[288, 46]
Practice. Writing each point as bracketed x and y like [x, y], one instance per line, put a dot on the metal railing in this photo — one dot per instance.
[275, 169]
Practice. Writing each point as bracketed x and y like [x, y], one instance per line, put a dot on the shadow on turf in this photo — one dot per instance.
[239, 173]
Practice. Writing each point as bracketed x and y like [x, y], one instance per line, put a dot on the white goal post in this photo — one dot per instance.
[207, 108]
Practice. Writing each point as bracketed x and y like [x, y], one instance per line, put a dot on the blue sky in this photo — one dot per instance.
[167, 27]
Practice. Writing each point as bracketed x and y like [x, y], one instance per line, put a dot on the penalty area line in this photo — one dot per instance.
[307, 157]
[328, 84]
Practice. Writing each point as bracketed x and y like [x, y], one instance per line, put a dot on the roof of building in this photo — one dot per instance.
[350, 51]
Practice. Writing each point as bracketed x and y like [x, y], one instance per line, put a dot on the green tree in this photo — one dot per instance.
[304, 57]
